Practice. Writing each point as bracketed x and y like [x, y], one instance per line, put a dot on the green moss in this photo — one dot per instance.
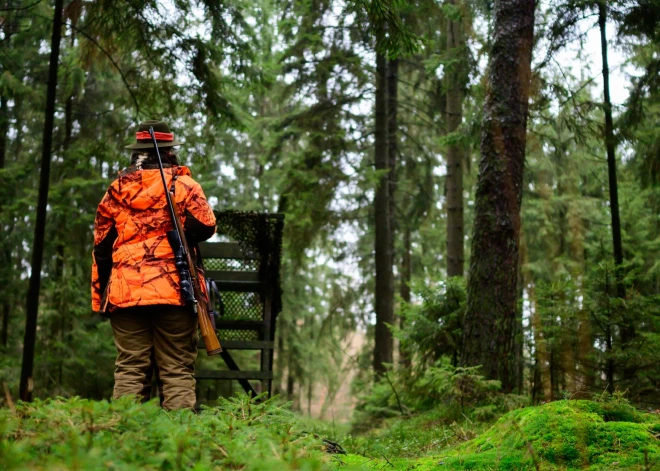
[85, 435]
[81, 435]
[567, 435]
[563, 435]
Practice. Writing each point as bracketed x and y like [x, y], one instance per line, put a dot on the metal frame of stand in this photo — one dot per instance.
[246, 273]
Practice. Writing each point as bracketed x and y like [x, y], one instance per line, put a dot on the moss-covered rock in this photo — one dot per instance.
[563, 435]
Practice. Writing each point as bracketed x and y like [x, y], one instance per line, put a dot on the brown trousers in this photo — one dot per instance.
[164, 334]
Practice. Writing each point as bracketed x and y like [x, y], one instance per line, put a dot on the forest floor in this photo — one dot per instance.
[79, 434]
[562, 435]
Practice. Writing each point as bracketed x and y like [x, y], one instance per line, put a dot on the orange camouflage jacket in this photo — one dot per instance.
[133, 263]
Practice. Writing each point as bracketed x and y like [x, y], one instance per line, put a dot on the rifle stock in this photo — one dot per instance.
[186, 267]
[211, 342]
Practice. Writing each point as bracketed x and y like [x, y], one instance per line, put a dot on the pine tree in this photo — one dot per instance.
[492, 294]
[32, 308]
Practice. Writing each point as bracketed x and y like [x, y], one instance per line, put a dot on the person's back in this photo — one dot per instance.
[134, 280]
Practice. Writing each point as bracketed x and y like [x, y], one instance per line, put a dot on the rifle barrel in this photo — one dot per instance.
[170, 206]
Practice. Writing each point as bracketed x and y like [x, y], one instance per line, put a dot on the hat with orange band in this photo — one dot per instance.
[164, 138]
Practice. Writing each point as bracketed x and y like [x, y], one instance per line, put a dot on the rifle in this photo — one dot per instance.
[188, 278]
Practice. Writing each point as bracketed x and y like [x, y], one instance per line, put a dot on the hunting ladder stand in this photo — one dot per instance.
[246, 271]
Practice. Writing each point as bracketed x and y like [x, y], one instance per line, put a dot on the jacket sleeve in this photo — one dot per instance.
[200, 221]
[105, 234]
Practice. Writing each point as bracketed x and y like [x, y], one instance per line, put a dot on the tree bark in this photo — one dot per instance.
[32, 306]
[609, 144]
[392, 150]
[392, 142]
[627, 327]
[383, 244]
[491, 304]
[406, 277]
[6, 306]
[4, 130]
[455, 82]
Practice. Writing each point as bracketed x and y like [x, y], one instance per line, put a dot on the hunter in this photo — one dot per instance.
[134, 280]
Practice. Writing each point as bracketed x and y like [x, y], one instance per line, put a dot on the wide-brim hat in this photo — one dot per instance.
[164, 138]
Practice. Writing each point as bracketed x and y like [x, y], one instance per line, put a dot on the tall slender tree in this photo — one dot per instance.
[32, 306]
[627, 327]
[455, 81]
[489, 323]
[384, 296]
[610, 146]
[392, 143]
[4, 130]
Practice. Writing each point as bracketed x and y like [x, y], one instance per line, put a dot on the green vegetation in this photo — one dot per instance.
[562, 435]
[276, 104]
[123, 435]
[239, 434]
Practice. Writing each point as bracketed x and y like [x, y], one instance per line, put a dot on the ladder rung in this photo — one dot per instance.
[224, 250]
[232, 276]
[243, 344]
[238, 286]
[227, 374]
[239, 325]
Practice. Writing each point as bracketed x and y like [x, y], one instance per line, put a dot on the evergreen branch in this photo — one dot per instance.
[418, 144]
[414, 111]
[314, 110]
[121, 73]
[27, 7]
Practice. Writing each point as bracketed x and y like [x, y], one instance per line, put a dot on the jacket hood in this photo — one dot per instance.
[142, 189]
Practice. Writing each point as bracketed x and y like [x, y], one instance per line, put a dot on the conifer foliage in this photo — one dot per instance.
[450, 174]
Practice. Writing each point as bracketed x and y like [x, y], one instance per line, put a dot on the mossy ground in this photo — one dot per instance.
[88, 435]
[563, 435]
[80, 434]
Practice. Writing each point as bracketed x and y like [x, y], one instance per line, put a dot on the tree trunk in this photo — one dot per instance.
[455, 82]
[6, 306]
[6, 262]
[32, 306]
[609, 143]
[406, 277]
[383, 245]
[290, 385]
[491, 304]
[627, 327]
[392, 150]
[392, 142]
[383, 296]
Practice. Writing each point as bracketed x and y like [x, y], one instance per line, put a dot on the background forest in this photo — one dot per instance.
[363, 122]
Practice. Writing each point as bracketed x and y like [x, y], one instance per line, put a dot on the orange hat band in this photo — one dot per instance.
[160, 136]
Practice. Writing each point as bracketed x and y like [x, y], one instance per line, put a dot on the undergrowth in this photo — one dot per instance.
[80, 434]
[238, 434]
[602, 434]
